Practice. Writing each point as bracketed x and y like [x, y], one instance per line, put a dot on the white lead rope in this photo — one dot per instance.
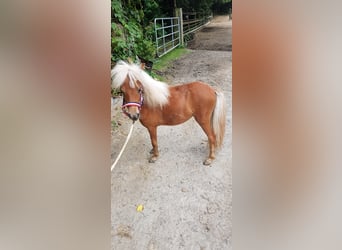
[123, 148]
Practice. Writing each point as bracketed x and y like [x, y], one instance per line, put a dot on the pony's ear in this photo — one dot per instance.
[139, 84]
[143, 66]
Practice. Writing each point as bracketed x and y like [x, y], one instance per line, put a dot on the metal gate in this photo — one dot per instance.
[167, 31]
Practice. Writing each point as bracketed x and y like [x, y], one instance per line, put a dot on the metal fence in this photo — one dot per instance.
[192, 21]
[167, 32]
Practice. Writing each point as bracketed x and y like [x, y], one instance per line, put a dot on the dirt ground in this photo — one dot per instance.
[186, 205]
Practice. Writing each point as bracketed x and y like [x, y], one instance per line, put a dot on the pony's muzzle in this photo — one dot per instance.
[133, 113]
[132, 110]
[134, 117]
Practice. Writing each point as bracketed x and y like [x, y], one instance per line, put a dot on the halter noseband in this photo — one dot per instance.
[135, 104]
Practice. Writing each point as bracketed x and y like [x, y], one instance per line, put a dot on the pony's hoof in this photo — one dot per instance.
[152, 159]
[207, 162]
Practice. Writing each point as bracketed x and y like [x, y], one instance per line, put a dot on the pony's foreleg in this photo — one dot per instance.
[154, 142]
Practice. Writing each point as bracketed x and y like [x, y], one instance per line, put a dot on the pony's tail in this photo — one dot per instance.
[218, 119]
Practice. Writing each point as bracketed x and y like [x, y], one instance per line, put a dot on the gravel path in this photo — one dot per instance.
[186, 205]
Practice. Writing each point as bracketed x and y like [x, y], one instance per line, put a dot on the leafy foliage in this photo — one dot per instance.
[132, 29]
[222, 6]
[205, 6]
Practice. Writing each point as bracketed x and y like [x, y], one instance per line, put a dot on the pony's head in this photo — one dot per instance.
[137, 87]
[132, 98]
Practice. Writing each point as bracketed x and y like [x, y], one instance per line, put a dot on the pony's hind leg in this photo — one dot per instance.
[211, 143]
[206, 126]
[153, 136]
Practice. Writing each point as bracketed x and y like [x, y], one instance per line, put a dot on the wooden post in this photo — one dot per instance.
[179, 13]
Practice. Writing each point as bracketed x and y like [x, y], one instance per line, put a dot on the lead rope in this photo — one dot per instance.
[123, 148]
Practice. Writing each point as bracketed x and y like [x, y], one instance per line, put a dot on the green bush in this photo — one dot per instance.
[132, 30]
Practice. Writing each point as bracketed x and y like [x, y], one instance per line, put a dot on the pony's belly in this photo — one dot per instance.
[176, 118]
[176, 112]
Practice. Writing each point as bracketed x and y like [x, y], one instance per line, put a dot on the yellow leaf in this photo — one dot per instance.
[140, 208]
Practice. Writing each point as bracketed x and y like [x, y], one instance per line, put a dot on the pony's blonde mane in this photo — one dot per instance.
[156, 93]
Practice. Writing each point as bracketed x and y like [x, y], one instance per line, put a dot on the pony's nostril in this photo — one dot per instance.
[134, 117]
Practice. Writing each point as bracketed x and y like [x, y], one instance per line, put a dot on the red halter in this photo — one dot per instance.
[136, 104]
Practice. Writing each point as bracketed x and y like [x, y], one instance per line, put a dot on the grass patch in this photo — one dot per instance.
[163, 62]
[115, 125]
[116, 92]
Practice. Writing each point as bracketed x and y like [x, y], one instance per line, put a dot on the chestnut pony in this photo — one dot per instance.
[155, 103]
